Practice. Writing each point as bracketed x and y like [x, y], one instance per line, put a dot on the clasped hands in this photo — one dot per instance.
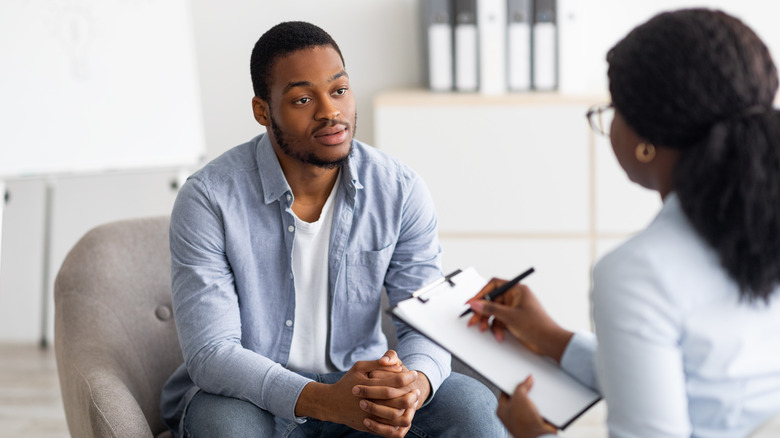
[379, 396]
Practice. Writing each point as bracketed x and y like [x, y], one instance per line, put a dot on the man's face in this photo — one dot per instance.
[311, 113]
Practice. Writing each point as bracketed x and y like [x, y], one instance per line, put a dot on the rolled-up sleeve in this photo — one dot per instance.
[206, 309]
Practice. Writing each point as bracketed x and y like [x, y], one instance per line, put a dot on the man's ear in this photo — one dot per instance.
[260, 110]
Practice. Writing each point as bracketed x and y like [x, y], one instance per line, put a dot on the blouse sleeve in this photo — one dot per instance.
[578, 359]
[639, 363]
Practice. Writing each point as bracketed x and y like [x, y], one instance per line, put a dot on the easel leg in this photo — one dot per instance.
[47, 214]
[3, 198]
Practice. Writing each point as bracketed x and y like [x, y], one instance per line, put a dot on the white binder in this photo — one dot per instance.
[466, 60]
[437, 28]
[519, 45]
[491, 25]
[545, 45]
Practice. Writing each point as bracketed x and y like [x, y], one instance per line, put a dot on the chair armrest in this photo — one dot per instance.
[102, 405]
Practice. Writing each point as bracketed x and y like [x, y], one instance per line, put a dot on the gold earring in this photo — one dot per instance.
[645, 152]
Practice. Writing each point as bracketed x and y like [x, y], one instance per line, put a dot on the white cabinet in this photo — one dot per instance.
[518, 180]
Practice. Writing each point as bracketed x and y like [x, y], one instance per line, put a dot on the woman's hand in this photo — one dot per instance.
[520, 313]
[519, 414]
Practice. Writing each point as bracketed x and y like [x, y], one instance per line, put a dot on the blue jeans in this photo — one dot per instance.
[462, 407]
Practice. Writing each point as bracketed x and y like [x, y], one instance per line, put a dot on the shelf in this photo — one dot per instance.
[423, 97]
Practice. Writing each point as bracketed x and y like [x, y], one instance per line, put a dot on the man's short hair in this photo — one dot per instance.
[279, 41]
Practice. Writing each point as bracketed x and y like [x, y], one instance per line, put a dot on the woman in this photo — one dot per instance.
[686, 313]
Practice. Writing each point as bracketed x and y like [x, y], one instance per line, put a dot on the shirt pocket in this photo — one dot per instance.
[366, 274]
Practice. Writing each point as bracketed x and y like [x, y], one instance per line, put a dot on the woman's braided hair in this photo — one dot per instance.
[701, 81]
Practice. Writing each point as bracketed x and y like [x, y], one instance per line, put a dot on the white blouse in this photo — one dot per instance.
[678, 354]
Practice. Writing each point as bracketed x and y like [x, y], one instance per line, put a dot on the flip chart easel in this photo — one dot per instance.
[93, 87]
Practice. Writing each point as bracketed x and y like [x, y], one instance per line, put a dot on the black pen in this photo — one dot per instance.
[497, 292]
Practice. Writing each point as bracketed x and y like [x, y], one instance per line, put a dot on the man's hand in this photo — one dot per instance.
[388, 415]
[392, 392]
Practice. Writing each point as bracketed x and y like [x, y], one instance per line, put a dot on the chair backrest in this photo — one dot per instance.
[115, 338]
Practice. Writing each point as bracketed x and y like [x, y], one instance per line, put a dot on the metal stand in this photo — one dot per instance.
[47, 241]
[2, 207]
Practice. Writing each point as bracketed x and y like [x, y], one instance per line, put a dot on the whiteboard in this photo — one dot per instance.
[97, 85]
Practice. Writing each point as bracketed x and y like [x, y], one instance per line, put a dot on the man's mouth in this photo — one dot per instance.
[332, 135]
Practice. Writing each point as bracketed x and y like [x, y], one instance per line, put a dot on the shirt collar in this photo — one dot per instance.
[671, 199]
[352, 164]
[274, 183]
[272, 180]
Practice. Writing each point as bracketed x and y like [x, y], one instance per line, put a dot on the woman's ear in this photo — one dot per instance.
[260, 110]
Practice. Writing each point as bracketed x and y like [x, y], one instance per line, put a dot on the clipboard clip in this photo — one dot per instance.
[424, 294]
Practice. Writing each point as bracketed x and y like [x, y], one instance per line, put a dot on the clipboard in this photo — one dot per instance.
[434, 311]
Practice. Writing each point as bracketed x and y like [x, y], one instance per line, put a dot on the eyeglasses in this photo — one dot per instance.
[600, 118]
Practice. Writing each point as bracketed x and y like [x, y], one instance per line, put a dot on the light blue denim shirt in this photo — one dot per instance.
[231, 236]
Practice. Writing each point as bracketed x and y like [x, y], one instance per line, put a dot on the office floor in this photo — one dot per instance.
[31, 405]
[30, 402]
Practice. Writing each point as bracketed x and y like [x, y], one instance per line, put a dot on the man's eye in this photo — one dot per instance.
[303, 100]
[341, 91]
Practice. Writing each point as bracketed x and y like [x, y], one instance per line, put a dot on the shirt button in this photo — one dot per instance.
[291, 228]
[289, 197]
[288, 323]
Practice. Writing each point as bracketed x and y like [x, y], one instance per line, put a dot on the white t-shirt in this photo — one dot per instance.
[309, 349]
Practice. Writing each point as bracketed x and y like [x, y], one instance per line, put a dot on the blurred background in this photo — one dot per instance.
[518, 178]
[381, 41]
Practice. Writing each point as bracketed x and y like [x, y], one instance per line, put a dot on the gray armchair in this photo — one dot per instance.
[114, 334]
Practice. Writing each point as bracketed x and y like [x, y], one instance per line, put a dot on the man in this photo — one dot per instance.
[280, 250]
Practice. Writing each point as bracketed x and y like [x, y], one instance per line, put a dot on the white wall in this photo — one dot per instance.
[589, 28]
[379, 41]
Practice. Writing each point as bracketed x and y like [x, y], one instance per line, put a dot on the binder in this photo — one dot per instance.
[435, 312]
[545, 45]
[519, 45]
[437, 27]
[466, 61]
[491, 26]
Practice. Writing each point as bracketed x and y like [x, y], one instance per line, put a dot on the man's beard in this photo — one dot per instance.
[309, 157]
